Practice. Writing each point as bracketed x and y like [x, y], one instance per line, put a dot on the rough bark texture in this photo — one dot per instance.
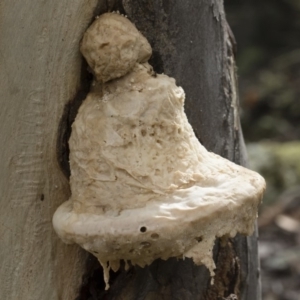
[41, 71]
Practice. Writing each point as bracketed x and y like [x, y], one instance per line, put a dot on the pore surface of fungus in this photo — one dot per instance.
[142, 185]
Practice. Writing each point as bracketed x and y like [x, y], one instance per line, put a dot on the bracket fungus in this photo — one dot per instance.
[142, 185]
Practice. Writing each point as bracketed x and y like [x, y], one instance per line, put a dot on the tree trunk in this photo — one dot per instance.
[41, 71]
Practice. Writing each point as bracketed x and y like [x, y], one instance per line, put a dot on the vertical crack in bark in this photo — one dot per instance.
[227, 278]
[230, 86]
[68, 117]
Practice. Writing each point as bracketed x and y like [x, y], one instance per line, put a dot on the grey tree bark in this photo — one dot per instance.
[43, 81]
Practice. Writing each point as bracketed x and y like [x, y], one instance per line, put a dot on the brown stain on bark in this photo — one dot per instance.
[227, 278]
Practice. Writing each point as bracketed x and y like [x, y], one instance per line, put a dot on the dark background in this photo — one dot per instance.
[268, 60]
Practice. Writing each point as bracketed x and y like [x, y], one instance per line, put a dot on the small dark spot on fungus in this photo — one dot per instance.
[95, 252]
[103, 45]
[143, 132]
[143, 229]
[199, 239]
[155, 236]
[42, 197]
[131, 250]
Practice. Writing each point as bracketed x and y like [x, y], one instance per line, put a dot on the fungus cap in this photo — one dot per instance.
[112, 46]
[142, 185]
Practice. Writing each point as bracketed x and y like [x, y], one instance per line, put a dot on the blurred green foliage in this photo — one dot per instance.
[279, 163]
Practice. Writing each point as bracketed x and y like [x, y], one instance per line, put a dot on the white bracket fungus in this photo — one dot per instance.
[143, 187]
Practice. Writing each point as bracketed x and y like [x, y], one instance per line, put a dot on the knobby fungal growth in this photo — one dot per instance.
[143, 187]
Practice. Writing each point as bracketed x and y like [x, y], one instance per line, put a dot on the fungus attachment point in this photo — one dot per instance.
[142, 185]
